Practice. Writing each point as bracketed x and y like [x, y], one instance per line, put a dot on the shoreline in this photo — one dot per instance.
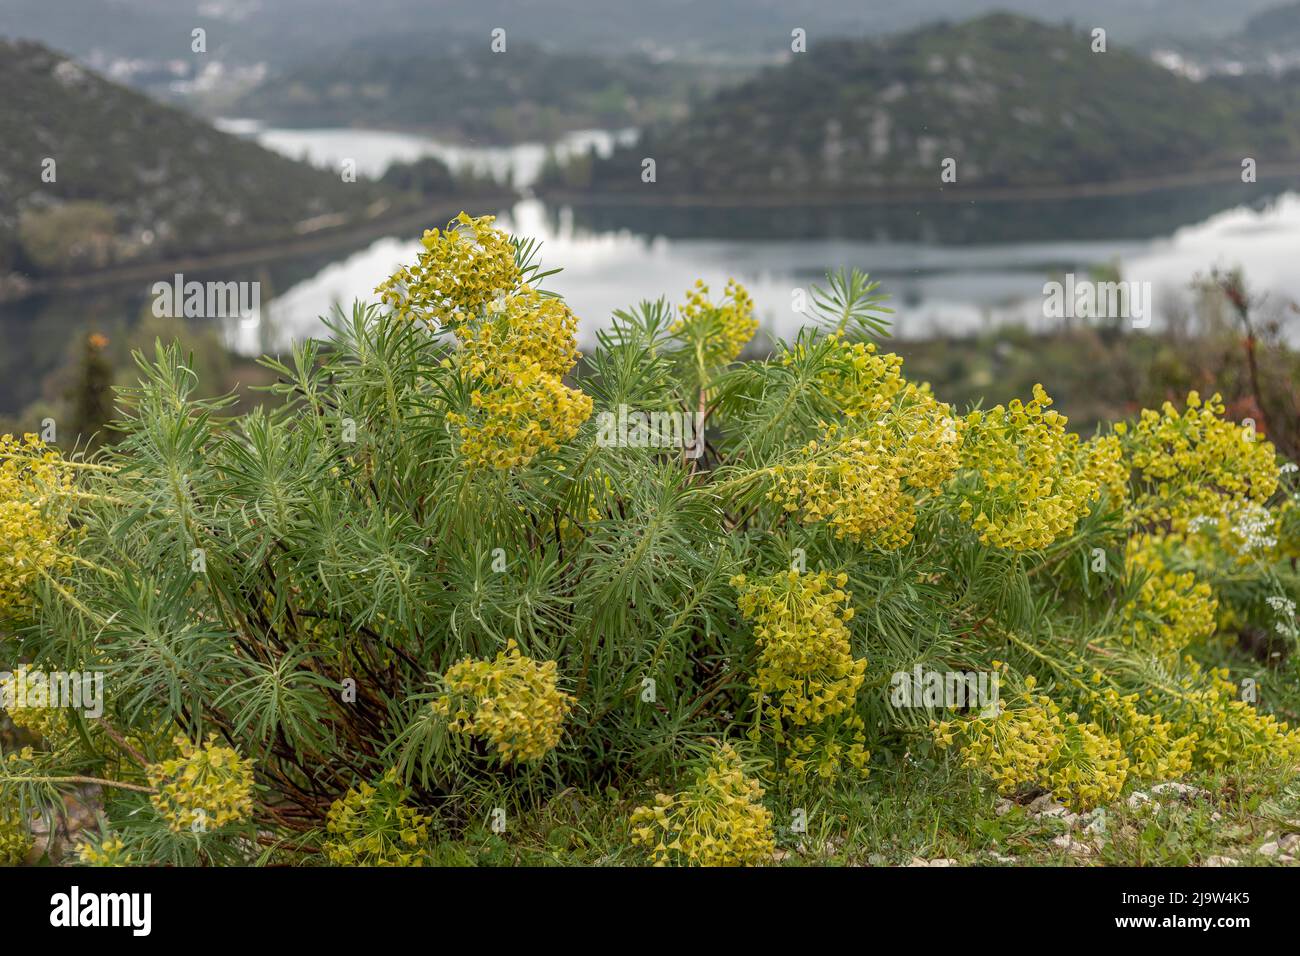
[290, 247]
[948, 193]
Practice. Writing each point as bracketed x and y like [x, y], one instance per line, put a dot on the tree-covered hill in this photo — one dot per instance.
[285, 31]
[1015, 102]
[465, 90]
[1275, 26]
[93, 174]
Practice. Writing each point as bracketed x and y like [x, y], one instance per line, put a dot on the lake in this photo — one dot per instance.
[950, 267]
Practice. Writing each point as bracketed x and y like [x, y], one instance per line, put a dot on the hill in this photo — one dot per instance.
[284, 32]
[135, 180]
[1017, 103]
[1279, 25]
[463, 90]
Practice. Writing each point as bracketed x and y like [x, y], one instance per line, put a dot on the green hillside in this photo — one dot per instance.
[1016, 103]
[466, 91]
[135, 180]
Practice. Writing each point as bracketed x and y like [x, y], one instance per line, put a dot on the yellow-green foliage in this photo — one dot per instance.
[206, 787]
[806, 673]
[512, 701]
[718, 821]
[34, 486]
[1029, 487]
[374, 825]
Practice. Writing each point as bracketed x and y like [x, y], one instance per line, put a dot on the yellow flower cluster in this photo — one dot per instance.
[1105, 466]
[858, 379]
[42, 723]
[15, 839]
[203, 788]
[926, 438]
[860, 483]
[720, 332]
[1028, 485]
[1186, 464]
[523, 327]
[1036, 744]
[376, 826]
[1156, 751]
[459, 272]
[1170, 610]
[520, 353]
[513, 701]
[718, 821]
[853, 485]
[526, 413]
[110, 852]
[34, 481]
[1228, 731]
[1012, 748]
[806, 673]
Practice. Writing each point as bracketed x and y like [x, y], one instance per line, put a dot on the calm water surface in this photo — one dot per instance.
[951, 267]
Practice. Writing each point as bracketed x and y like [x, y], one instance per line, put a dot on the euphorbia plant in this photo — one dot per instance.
[422, 585]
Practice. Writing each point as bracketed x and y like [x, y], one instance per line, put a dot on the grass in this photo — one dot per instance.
[931, 809]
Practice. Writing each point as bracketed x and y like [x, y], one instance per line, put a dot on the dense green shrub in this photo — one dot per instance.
[70, 235]
[445, 580]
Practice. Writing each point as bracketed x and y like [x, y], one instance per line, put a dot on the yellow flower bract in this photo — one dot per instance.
[1028, 485]
[34, 482]
[374, 825]
[512, 701]
[806, 673]
[204, 788]
[718, 821]
[459, 272]
[720, 330]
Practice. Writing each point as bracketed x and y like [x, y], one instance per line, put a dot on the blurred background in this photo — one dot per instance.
[304, 145]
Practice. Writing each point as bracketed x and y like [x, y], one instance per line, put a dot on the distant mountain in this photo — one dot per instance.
[284, 32]
[1275, 27]
[1015, 102]
[134, 180]
[1268, 43]
[466, 91]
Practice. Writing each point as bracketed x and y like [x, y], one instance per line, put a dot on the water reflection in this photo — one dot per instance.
[950, 267]
[936, 287]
